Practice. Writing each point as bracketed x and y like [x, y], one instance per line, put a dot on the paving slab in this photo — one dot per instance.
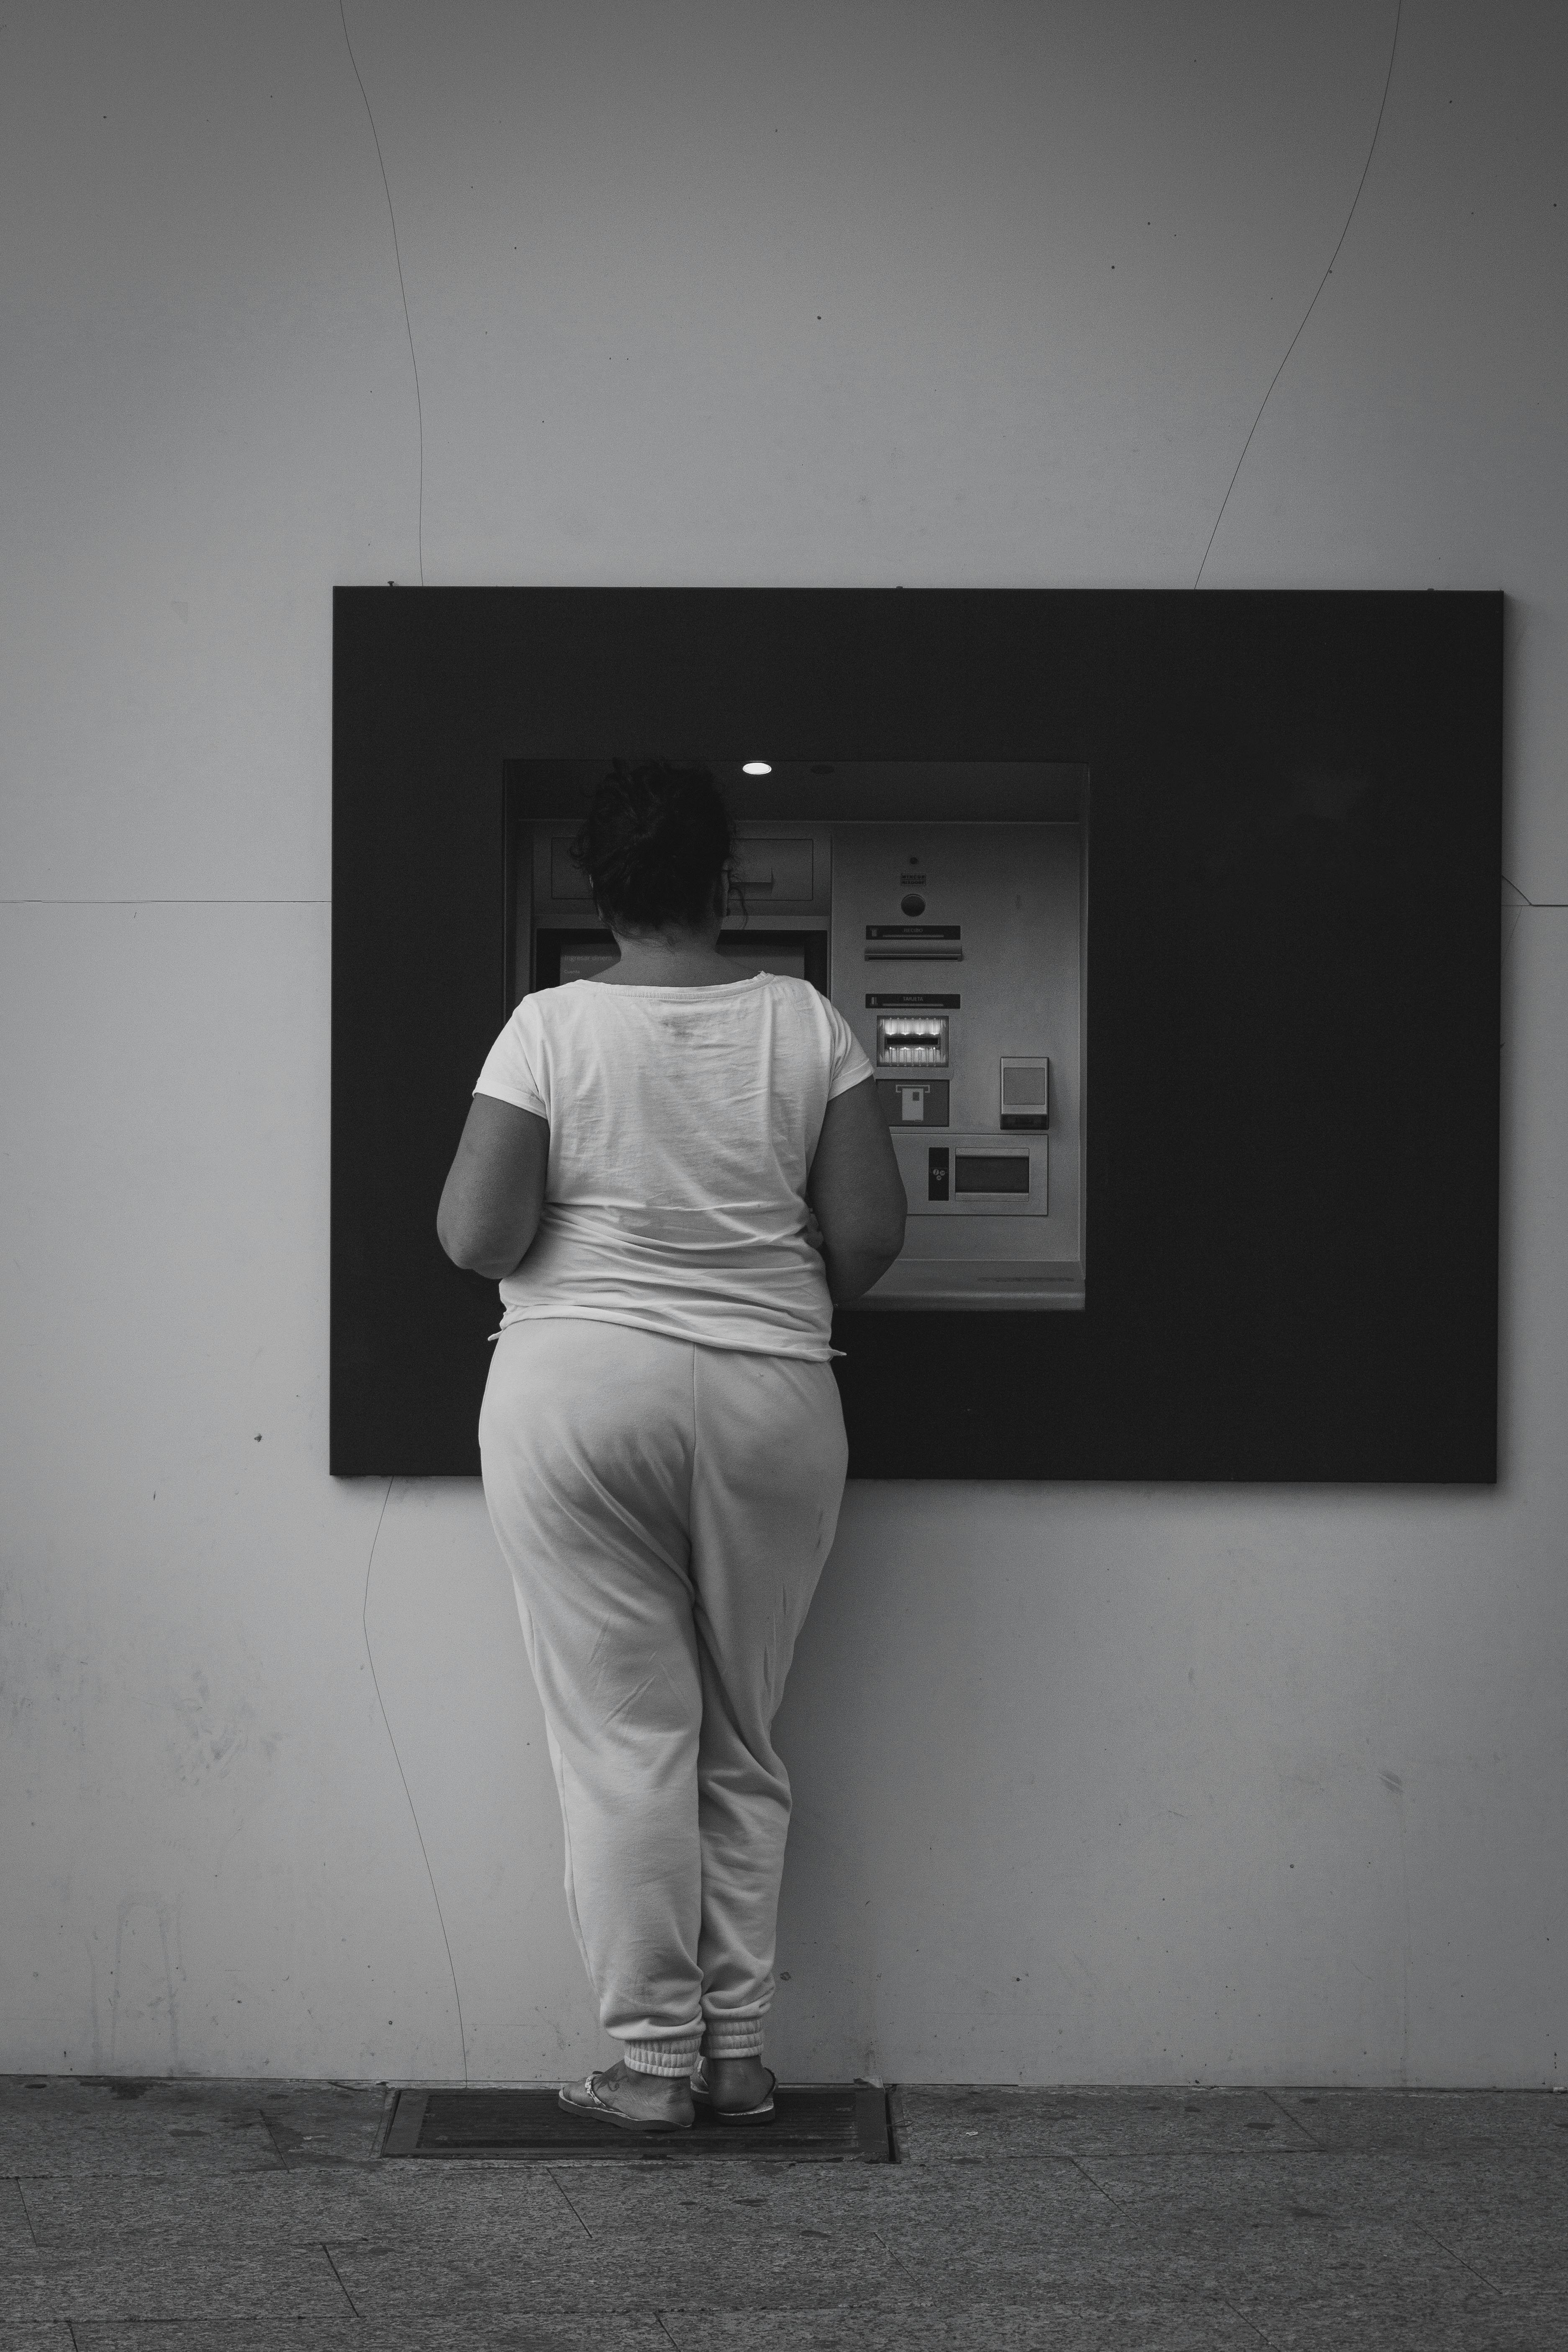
[96, 2123]
[1018, 2230]
[1469, 2197]
[1049, 2324]
[767, 2198]
[1431, 2121]
[501, 2334]
[476, 2272]
[1471, 2200]
[1247, 2230]
[1386, 2287]
[1504, 2214]
[161, 2281]
[16, 2230]
[1262, 2268]
[1537, 2313]
[726, 2209]
[1028, 2196]
[325, 2123]
[282, 2206]
[1294, 2184]
[1107, 2265]
[986, 2124]
[1376, 2321]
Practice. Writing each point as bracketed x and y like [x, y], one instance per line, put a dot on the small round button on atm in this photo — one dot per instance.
[912, 903]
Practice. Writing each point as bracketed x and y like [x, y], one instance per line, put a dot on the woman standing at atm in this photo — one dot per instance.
[674, 1175]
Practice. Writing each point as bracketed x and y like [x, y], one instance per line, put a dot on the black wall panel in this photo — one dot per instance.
[1293, 997]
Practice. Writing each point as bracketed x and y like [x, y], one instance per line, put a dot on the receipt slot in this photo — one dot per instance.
[943, 909]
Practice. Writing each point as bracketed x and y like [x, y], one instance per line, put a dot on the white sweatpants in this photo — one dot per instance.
[665, 1510]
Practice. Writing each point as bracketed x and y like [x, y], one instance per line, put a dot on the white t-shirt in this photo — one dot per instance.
[683, 1122]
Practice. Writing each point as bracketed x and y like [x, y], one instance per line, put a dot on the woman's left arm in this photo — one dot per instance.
[494, 1190]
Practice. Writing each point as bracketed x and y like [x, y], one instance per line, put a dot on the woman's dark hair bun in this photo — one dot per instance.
[654, 845]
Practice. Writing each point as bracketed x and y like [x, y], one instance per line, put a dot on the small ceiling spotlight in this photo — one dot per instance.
[756, 768]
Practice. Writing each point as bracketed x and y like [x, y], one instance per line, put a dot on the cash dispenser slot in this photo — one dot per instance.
[911, 1040]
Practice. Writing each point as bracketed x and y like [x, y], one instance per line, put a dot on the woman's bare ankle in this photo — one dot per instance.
[738, 2081]
[648, 2094]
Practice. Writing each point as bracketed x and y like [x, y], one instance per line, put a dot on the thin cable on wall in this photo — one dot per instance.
[397, 257]
[365, 1628]
[1313, 304]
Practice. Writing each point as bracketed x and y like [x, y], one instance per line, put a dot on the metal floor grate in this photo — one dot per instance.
[826, 2123]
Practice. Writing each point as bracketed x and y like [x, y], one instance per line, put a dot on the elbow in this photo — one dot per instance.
[454, 1243]
[887, 1248]
[490, 1269]
[894, 1229]
[856, 1266]
[882, 1235]
[871, 1236]
[472, 1253]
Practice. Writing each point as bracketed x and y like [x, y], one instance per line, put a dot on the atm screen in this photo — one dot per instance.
[788, 957]
[586, 963]
[789, 963]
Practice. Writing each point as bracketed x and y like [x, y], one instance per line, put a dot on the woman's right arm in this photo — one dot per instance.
[856, 1194]
[494, 1192]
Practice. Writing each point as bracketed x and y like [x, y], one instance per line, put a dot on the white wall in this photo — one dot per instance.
[1111, 1784]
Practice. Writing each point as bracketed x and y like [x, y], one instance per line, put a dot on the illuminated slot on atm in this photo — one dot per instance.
[911, 1040]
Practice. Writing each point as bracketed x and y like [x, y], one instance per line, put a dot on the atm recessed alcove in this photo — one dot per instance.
[973, 1018]
[1282, 1115]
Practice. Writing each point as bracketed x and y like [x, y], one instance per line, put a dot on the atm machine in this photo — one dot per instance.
[944, 908]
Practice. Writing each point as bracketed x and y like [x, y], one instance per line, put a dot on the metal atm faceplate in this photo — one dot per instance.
[1014, 895]
[1002, 902]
